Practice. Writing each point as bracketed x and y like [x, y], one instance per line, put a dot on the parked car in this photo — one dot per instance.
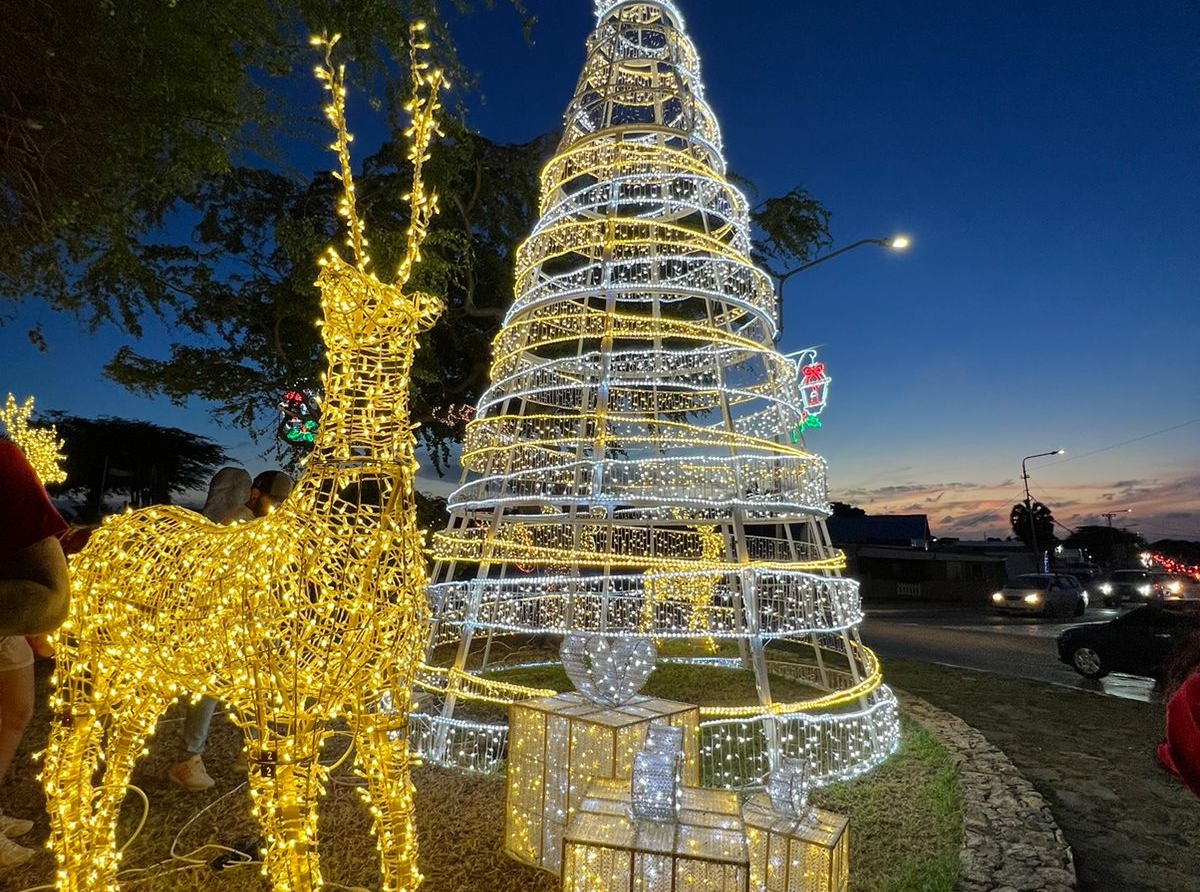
[1140, 642]
[1141, 586]
[1042, 594]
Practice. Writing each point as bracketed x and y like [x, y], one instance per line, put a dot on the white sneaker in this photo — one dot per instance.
[190, 774]
[12, 827]
[12, 854]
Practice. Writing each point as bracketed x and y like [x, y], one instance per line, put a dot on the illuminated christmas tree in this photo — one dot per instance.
[637, 468]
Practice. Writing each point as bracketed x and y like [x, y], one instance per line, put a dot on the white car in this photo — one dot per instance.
[1042, 594]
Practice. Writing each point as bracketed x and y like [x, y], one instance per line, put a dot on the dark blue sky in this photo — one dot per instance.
[1043, 158]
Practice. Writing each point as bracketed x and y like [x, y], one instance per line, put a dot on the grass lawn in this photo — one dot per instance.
[905, 829]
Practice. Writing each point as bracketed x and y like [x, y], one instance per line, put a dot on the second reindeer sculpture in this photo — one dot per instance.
[309, 615]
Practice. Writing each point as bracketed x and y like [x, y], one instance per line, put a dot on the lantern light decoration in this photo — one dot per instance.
[41, 445]
[299, 416]
[633, 451]
[312, 614]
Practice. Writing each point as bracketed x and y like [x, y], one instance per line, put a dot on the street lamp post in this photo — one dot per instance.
[895, 243]
[1029, 502]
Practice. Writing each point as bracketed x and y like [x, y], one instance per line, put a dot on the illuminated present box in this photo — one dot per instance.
[606, 850]
[789, 854]
[557, 744]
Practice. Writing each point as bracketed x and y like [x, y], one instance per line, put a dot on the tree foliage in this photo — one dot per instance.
[844, 509]
[112, 110]
[1042, 524]
[120, 116]
[789, 230]
[1105, 544]
[145, 462]
[240, 288]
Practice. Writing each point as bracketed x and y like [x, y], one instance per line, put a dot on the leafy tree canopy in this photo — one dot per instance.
[117, 113]
[843, 509]
[241, 289]
[789, 229]
[111, 110]
[146, 462]
[1104, 543]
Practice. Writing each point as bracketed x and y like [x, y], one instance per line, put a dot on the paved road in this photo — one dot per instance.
[971, 638]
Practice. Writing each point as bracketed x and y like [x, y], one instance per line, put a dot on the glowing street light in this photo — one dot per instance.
[896, 242]
[1029, 502]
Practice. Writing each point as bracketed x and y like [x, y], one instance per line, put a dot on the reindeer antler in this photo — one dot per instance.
[334, 79]
[422, 109]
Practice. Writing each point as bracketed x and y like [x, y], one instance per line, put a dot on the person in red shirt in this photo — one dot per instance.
[35, 589]
[1179, 752]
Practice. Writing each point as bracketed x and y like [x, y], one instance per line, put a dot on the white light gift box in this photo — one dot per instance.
[557, 744]
[607, 849]
[793, 846]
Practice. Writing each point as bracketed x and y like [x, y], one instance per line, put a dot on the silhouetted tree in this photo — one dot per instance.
[1106, 545]
[1043, 524]
[841, 509]
[146, 462]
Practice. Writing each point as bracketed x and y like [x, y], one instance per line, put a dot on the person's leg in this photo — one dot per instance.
[196, 720]
[16, 709]
[189, 772]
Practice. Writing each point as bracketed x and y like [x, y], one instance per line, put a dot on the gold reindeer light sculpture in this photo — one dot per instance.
[311, 614]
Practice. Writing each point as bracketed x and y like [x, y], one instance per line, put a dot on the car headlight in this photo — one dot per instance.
[1106, 588]
[1143, 590]
[997, 597]
[1032, 599]
[1175, 587]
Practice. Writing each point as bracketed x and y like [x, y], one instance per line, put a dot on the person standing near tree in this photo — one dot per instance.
[268, 490]
[1179, 751]
[35, 590]
[232, 498]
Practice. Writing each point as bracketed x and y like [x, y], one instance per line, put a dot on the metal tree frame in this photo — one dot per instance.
[636, 466]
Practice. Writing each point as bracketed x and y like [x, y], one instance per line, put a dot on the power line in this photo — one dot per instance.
[1165, 430]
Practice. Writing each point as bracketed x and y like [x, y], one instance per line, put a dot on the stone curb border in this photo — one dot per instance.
[1012, 843]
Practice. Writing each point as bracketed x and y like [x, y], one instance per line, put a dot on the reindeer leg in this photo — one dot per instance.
[100, 726]
[384, 762]
[286, 784]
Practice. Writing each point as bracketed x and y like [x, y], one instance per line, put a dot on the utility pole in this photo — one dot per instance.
[1112, 544]
[1029, 505]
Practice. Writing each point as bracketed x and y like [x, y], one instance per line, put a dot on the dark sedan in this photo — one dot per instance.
[1139, 642]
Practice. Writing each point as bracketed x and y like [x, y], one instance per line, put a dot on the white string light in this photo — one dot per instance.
[636, 467]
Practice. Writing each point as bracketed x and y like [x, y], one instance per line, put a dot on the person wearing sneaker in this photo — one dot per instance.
[35, 588]
[11, 853]
[232, 497]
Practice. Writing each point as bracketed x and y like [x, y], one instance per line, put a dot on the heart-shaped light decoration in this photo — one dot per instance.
[608, 671]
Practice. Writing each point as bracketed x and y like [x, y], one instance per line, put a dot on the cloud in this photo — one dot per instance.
[1162, 507]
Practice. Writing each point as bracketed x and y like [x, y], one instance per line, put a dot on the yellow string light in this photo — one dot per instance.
[312, 614]
[41, 445]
